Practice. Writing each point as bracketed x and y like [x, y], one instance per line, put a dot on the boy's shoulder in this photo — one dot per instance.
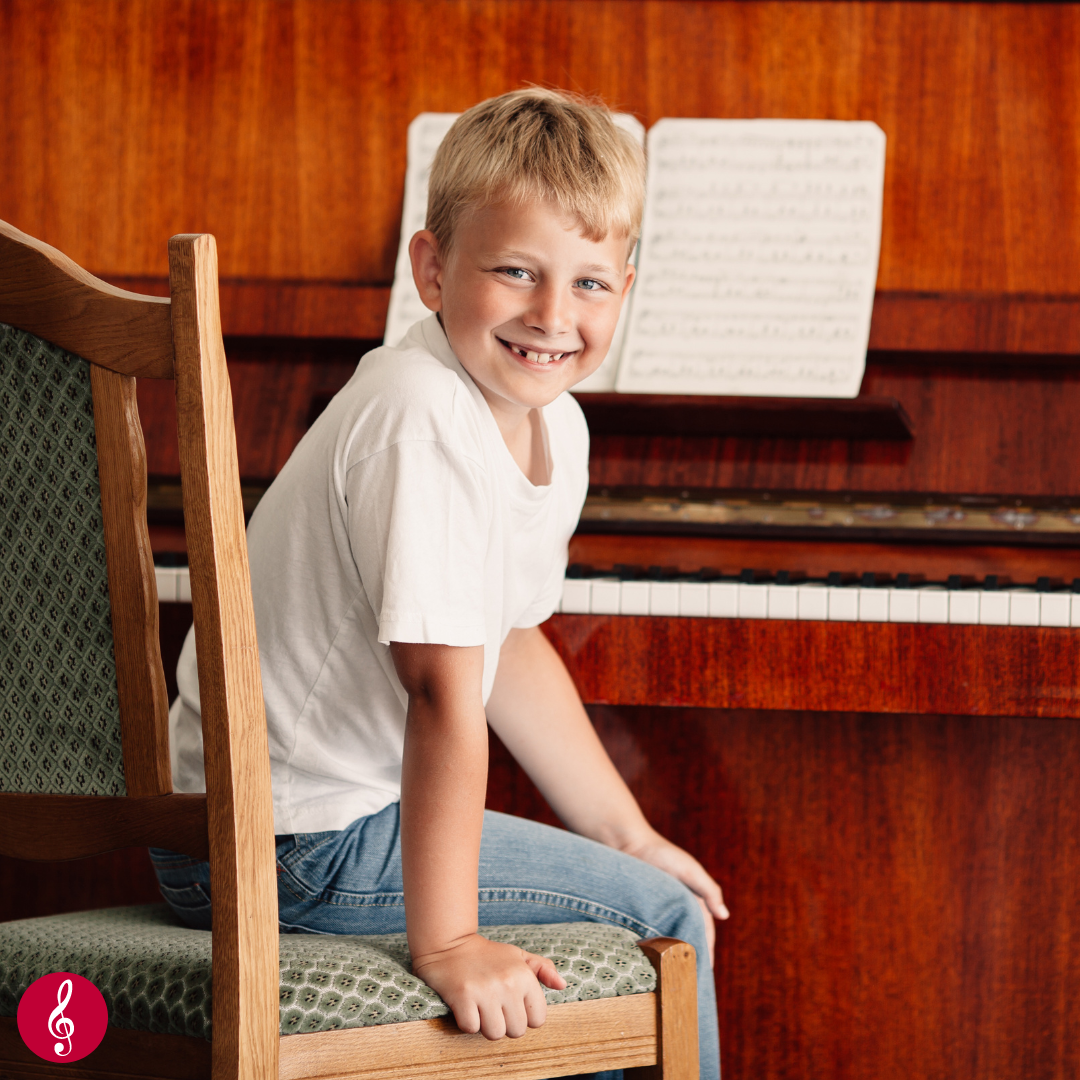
[406, 392]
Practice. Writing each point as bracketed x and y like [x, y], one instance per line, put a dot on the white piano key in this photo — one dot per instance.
[933, 604]
[813, 600]
[664, 598]
[575, 596]
[183, 585]
[964, 606]
[693, 598]
[903, 605]
[993, 608]
[604, 596]
[723, 599]
[1023, 608]
[753, 601]
[1074, 609]
[165, 576]
[843, 604]
[873, 605]
[634, 598]
[1054, 609]
[783, 602]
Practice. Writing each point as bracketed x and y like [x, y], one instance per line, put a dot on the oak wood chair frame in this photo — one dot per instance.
[126, 336]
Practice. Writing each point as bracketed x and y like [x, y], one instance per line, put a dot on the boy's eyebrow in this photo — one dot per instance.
[525, 256]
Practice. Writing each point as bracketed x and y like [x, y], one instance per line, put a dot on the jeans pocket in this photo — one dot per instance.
[191, 904]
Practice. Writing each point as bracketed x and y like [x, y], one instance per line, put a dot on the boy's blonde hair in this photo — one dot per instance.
[539, 144]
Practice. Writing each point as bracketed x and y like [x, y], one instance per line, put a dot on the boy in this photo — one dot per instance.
[401, 565]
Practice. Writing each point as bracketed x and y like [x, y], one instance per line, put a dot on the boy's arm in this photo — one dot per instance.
[536, 711]
[491, 988]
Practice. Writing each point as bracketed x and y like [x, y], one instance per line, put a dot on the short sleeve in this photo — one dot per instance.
[419, 517]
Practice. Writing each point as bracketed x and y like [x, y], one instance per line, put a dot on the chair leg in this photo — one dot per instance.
[676, 1027]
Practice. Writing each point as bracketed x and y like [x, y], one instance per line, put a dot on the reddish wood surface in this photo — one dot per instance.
[818, 558]
[281, 128]
[846, 667]
[903, 888]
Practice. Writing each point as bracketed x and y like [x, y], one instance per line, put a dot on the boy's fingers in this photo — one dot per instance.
[467, 1017]
[515, 1019]
[535, 1007]
[492, 1022]
[545, 971]
[710, 930]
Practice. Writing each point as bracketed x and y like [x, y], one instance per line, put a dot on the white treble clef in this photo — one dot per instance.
[60, 1027]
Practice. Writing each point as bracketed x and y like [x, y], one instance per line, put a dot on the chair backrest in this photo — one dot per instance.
[84, 755]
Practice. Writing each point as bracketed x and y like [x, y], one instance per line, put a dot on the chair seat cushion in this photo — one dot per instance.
[155, 973]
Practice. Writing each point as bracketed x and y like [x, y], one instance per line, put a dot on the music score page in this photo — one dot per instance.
[758, 260]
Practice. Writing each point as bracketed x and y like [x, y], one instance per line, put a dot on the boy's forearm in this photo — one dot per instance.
[536, 711]
[443, 785]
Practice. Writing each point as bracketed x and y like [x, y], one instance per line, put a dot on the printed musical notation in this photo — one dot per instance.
[759, 258]
[426, 132]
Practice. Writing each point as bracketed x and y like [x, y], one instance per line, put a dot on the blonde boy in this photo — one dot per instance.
[401, 565]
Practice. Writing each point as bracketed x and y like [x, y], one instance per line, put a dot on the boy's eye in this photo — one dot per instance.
[517, 273]
[591, 285]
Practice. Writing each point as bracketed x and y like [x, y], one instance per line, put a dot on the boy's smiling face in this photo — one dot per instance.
[528, 304]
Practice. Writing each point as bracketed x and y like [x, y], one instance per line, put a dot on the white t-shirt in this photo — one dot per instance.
[400, 516]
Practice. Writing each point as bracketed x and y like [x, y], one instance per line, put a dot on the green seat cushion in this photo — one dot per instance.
[155, 973]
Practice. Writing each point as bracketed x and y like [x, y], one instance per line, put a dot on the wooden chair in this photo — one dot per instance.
[84, 758]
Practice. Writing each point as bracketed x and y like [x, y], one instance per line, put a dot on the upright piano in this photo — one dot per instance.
[889, 803]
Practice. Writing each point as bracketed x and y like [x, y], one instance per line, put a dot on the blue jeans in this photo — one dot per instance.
[349, 882]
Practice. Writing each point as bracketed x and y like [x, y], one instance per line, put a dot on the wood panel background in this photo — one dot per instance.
[280, 127]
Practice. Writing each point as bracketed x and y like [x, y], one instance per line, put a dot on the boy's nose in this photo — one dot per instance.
[548, 312]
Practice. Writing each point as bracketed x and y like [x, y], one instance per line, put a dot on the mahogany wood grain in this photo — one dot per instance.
[236, 755]
[51, 827]
[608, 1033]
[32, 888]
[122, 1055]
[827, 666]
[704, 416]
[903, 889]
[981, 431]
[677, 1036]
[818, 558]
[46, 293]
[140, 678]
[286, 122]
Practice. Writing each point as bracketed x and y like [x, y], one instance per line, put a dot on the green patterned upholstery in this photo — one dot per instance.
[155, 973]
[59, 715]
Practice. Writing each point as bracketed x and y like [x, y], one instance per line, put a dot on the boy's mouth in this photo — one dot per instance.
[533, 355]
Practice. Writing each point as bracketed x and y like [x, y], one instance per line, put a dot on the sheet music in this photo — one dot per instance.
[759, 258]
[426, 132]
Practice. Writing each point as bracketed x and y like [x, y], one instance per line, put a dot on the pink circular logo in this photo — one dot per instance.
[62, 1017]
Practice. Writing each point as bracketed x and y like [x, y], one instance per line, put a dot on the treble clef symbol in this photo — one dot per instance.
[60, 1027]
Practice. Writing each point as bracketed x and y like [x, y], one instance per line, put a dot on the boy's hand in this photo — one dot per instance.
[490, 987]
[666, 856]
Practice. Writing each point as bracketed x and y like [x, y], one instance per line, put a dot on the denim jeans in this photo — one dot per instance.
[349, 882]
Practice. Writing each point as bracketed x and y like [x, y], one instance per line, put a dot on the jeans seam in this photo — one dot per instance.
[568, 902]
[288, 862]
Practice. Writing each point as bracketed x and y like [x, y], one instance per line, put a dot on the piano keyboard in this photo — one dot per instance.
[866, 599]
[838, 598]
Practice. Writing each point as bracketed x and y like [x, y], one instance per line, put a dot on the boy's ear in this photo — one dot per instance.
[631, 273]
[427, 268]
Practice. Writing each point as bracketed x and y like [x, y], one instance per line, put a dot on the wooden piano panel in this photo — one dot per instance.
[903, 888]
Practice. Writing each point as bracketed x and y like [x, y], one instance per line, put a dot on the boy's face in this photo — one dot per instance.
[528, 304]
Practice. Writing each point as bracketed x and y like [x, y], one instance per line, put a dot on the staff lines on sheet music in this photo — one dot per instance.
[754, 328]
[811, 212]
[744, 256]
[724, 287]
[751, 369]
